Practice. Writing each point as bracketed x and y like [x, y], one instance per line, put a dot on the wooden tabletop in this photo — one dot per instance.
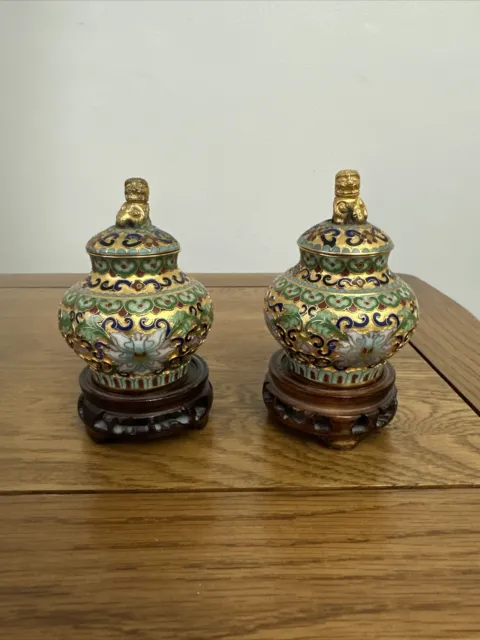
[245, 531]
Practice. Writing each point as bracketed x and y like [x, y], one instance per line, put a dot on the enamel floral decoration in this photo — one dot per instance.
[137, 319]
[340, 313]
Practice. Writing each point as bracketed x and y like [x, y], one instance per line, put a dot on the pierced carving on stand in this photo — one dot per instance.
[110, 416]
[338, 417]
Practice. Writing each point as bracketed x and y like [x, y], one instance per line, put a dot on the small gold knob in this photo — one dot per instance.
[347, 183]
[136, 190]
[348, 207]
[135, 211]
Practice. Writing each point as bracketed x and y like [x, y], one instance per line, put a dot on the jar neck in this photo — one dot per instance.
[133, 266]
[346, 264]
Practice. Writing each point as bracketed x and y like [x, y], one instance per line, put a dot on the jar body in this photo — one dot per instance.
[340, 316]
[136, 321]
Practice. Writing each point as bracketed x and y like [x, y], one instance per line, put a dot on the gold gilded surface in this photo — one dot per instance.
[348, 207]
[137, 318]
[133, 234]
[97, 322]
[340, 312]
[136, 190]
[347, 231]
[135, 211]
[360, 325]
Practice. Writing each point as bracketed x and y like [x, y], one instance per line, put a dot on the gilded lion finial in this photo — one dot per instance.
[348, 207]
[135, 211]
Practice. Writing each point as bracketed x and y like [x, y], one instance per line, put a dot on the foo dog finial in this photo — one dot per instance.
[135, 211]
[348, 207]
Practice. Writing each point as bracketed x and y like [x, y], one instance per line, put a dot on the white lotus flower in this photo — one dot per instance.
[139, 353]
[363, 349]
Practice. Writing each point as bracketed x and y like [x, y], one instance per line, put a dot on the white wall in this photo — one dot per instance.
[239, 114]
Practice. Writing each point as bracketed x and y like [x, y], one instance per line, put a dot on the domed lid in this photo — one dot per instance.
[347, 231]
[133, 234]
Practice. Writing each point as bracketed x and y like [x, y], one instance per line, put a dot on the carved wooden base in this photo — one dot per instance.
[341, 417]
[110, 415]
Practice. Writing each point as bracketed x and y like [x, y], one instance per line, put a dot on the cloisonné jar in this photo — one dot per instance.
[340, 312]
[136, 319]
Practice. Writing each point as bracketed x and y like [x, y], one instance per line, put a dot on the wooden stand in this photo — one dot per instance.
[339, 417]
[110, 415]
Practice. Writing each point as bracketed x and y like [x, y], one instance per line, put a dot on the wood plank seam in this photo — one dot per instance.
[206, 491]
[444, 377]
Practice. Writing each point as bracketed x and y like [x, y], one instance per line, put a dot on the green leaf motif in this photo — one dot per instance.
[290, 318]
[182, 322]
[323, 324]
[206, 317]
[407, 320]
[64, 322]
[91, 329]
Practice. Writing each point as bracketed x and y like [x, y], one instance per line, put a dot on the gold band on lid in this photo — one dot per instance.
[348, 207]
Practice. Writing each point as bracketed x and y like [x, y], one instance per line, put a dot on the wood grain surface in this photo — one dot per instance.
[245, 530]
[434, 439]
[247, 566]
[448, 337]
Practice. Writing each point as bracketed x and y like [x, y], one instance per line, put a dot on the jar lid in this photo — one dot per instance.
[347, 231]
[133, 234]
